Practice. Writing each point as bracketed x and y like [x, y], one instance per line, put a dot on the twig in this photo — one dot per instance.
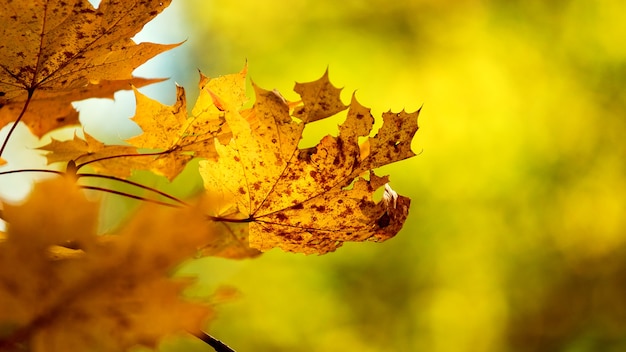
[31, 170]
[217, 345]
[124, 194]
[19, 118]
[139, 185]
[78, 166]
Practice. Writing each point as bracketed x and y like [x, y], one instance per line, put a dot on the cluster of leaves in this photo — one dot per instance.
[65, 287]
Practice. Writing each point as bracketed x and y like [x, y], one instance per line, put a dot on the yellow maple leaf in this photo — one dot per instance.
[56, 52]
[169, 139]
[63, 288]
[180, 137]
[113, 160]
[307, 200]
[49, 110]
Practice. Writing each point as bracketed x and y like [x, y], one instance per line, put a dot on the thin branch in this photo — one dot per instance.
[168, 196]
[128, 195]
[217, 345]
[32, 170]
[78, 166]
[19, 118]
[220, 219]
[136, 185]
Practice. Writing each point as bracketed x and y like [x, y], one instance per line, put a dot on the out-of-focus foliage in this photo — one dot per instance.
[79, 291]
[517, 232]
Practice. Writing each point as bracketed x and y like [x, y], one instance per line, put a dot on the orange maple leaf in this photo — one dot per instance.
[63, 288]
[306, 200]
[56, 52]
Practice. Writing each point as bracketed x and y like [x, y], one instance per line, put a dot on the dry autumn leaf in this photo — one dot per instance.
[112, 160]
[304, 200]
[177, 136]
[63, 288]
[170, 138]
[56, 52]
[56, 109]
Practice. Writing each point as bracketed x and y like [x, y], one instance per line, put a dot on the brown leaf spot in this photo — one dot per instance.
[383, 221]
[319, 208]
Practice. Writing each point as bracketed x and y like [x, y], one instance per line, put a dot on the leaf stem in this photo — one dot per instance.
[124, 194]
[19, 118]
[220, 219]
[78, 166]
[139, 185]
[217, 345]
[136, 184]
[31, 170]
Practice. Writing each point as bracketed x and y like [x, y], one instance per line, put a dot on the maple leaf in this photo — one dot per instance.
[63, 288]
[307, 200]
[56, 52]
[180, 137]
[113, 160]
[172, 137]
[56, 109]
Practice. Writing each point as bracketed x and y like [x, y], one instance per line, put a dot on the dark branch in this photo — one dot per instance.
[19, 118]
[31, 170]
[217, 345]
[220, 219]
[128, 195]
[139, 185]
[78, 166]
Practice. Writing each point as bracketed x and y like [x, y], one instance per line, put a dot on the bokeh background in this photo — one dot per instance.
[516, 239]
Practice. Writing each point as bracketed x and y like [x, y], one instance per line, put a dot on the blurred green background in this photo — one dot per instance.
[516, 236]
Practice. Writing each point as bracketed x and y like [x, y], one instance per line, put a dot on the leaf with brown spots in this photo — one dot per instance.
[64, 288]
[307, 200]
[56, 52]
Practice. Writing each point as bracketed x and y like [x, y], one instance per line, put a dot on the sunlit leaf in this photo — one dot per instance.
[306, 200]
